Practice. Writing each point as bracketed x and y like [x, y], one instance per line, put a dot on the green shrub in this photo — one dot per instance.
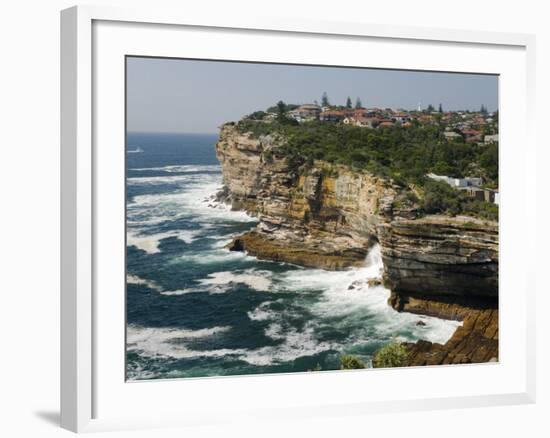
[405, 155]
[349, 362]
[256, 115]
[482, 209]
[439, 197]
[389, 356]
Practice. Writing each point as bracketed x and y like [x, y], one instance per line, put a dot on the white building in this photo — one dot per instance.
[491, 139]
[457, 182]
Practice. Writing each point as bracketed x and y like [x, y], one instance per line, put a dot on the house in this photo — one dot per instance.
[385, 124]
[400, 117]
[481, 194]
[308, 111]
[332, 116]
[451, 135]
[362, 121]
[474, 192]
[468, 132]
[457, 182]
[488, 139]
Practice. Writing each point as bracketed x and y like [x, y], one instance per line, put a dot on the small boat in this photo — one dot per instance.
[135, 151]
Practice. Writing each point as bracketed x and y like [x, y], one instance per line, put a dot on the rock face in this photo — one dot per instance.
[440, 258]
[328, 216]
[324, 216]
[476, 341]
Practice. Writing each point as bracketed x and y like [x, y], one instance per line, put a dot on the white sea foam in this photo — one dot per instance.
[351, 305]
[194, 201]
[134, 279]
[165, 342]
[258, 280]
[275, 331]
[262, 312]
[296, 344]
[162, 342]
[176, 292]
[150, 242]
[182, 168]
[217, 255]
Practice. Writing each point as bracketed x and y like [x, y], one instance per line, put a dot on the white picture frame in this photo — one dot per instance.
[93, 397]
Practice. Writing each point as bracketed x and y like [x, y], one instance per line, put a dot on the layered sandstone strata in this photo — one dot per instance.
[328, 216]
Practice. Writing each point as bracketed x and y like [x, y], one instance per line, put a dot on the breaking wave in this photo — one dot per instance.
[259, 316]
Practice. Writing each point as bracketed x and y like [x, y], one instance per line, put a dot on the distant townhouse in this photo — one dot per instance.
[451, 135]
[468, 132]
[309, 111]
[332, 116]
[400, 117]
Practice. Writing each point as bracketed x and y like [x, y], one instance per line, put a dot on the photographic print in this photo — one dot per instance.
[296, 218]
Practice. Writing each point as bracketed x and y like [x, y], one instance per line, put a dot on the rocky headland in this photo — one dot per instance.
[328, 216]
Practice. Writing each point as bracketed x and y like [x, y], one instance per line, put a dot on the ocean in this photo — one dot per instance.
[195, 309]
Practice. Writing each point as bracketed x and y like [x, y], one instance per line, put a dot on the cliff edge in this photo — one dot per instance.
[328, 216]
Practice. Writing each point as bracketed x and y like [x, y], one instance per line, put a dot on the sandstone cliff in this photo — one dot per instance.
[328, 216]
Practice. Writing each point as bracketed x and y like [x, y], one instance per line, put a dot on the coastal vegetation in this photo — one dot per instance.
[390, 356]
[404, 154]
[439, 197]
[350, 362]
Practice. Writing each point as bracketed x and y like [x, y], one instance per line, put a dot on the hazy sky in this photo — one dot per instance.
[175, 95]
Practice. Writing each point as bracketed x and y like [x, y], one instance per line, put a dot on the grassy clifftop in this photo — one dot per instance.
[403, 154]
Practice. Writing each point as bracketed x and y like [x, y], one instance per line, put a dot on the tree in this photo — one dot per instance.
[349, 362]
[392, 355]
[440, 108]
[430, 108]
[281, 111]
[324, 100]
[348, 103]
[257, 115]
[358, 103]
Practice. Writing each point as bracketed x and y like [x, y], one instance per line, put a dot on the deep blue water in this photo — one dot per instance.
[196, 309]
